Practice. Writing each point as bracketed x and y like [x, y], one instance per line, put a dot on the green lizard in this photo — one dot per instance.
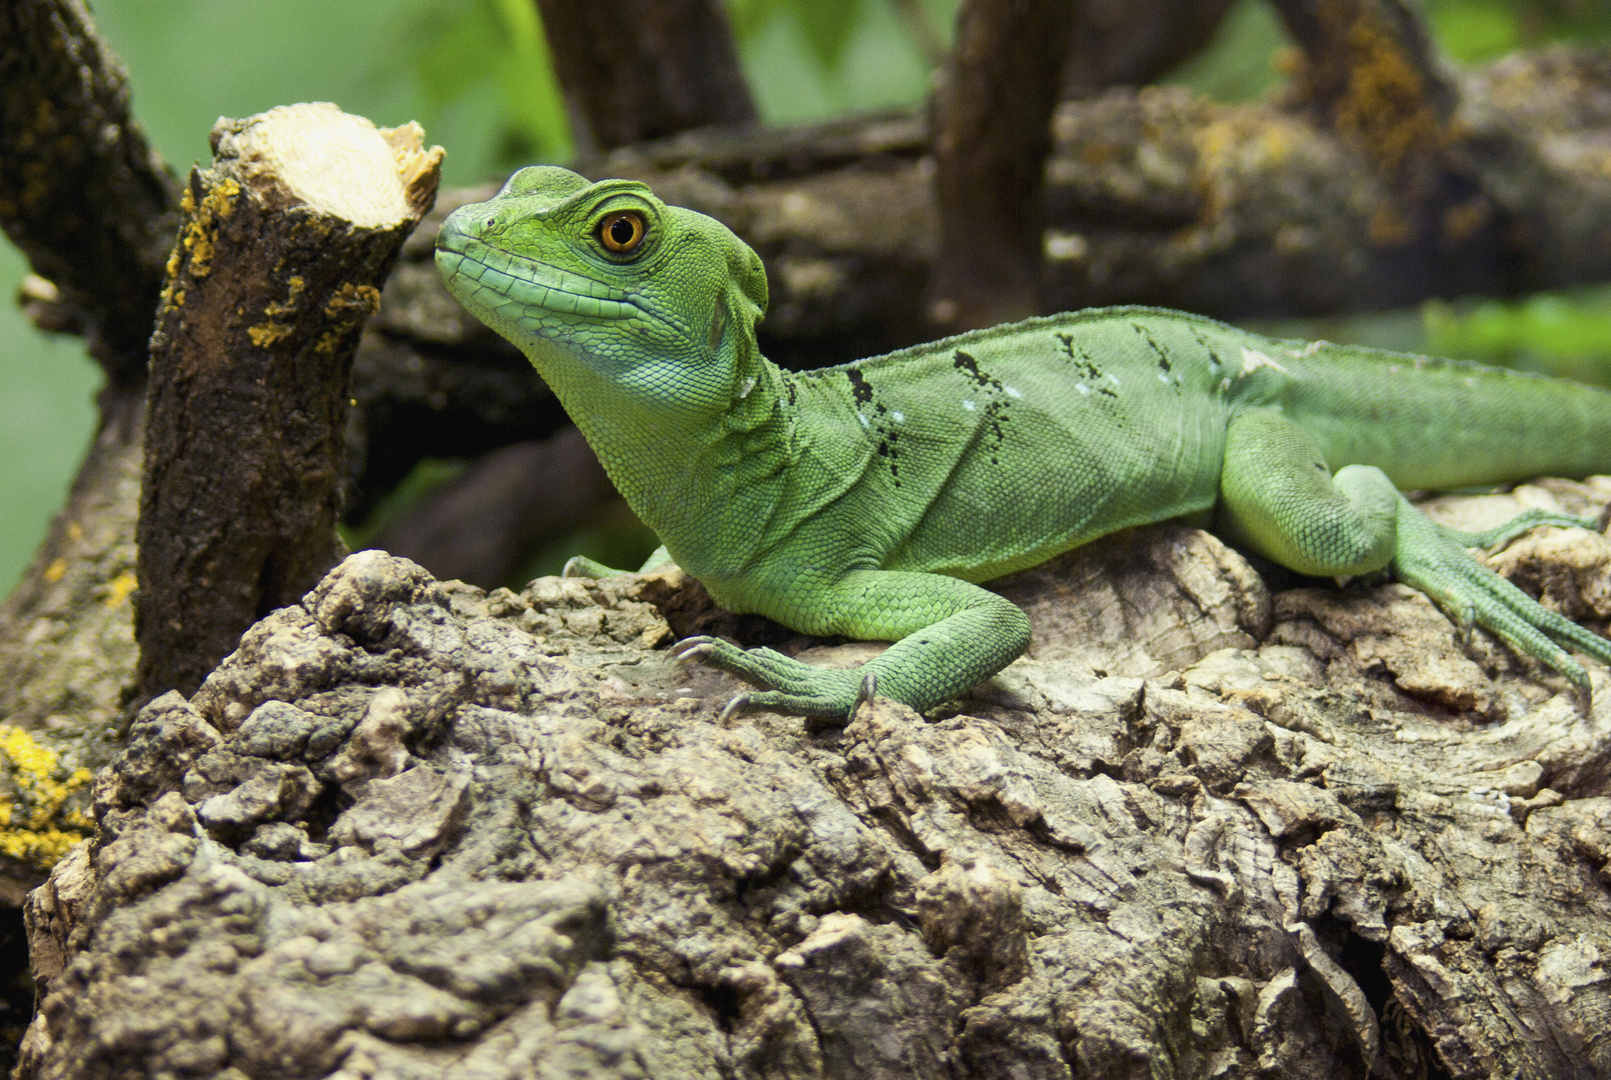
[869, 499]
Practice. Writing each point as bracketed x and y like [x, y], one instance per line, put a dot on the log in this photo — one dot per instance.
[284, 244]
[1205, 828]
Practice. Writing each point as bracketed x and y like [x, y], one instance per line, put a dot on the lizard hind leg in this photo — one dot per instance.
[1279, 498]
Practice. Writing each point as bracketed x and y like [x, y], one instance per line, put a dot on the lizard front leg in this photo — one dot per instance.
[949, 635]
[1279, 498]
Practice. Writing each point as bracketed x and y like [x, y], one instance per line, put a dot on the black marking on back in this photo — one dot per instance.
[995, 410]
[1213, 355]
[860, 388]
[1080, 358]
[966, 364]
[1146, 335]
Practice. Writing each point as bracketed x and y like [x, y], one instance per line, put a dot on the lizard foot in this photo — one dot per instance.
[790, 685]
[1433, 560]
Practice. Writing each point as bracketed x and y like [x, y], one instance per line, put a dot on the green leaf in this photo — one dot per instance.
[827, 25]
[460, 46]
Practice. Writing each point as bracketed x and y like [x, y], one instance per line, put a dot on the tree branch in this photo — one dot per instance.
[1134, 42]
[277, 267]
[991, 108]
[640, 69]
[81, 192]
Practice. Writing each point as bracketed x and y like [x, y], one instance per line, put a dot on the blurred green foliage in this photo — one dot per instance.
[1475, 30]
[476, 74]
[1239, 64]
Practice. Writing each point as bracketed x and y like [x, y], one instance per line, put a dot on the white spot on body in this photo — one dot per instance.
[1393, 369]
[749, 384]
[970, 406]
[899, 416]
[1012, 391]
[1113, 380]
[1082, 388]
[1252, 360]
[1163, 378]
[863, 420]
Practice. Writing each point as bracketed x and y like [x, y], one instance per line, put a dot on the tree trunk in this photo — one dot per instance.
[640, 69]
[284, 244]
[411, 828]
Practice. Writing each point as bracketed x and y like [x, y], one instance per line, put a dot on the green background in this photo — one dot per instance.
[476, 74]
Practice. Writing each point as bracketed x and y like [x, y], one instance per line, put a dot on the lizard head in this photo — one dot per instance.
[604, 281]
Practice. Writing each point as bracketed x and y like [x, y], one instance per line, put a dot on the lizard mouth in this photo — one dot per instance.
[491, 279]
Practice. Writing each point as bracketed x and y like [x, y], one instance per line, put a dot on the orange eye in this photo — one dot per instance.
[622, 232]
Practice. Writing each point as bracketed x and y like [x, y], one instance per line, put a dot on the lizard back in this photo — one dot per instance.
[1085, 423]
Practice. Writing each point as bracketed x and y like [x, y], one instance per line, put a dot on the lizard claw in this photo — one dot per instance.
[691, 649]
[866, 692]
[736, 705]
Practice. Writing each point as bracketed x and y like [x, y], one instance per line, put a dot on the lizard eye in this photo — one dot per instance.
[622, 232]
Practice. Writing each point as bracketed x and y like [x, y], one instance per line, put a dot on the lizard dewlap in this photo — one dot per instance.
[869, 499]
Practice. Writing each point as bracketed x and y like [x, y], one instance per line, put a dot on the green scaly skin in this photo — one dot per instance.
[869, 499]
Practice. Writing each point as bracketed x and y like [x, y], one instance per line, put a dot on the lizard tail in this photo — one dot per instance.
[1431, 423]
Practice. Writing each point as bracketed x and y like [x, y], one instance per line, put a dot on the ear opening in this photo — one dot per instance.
[751, 279]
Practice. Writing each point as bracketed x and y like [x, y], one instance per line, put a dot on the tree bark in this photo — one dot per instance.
[81, 191]
[93, 209]
[641, 69]
[990, 115]
[1202, 829]
[283, 247]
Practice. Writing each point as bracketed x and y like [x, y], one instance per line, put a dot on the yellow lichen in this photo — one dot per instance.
[199, 234]
[353, 301]
[37, 826]
[265, 334]
[119, 588]
[56, 571]
[292, 295]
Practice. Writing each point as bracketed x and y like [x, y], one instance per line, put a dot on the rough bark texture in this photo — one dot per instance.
[67, 658]
[278, 264]
[93, 209]
[989, 113]
[414, 829]
[641, 69]
[81, 192]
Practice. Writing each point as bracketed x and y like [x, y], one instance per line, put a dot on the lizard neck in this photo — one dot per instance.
[691, 473]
